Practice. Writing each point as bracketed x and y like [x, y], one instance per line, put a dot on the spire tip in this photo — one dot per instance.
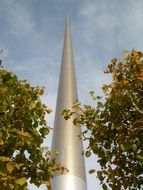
[68, 19]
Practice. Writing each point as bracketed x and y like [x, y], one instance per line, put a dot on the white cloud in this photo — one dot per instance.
[117, 25]
[18, 17]
[96, 16]
[88, 9]
[135, 14]
[131, 29]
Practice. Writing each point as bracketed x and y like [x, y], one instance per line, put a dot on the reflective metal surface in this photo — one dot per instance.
[68, 182]
[65, 135]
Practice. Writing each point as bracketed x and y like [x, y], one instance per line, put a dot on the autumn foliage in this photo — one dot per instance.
[22, 130]
[115, 126]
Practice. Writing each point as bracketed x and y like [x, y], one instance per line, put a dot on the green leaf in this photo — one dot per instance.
[134, 146]
[104, 186]
[3, 171]
[88, 153]
[122, 147]
[114, 61]
[92, 171]
[100, 105]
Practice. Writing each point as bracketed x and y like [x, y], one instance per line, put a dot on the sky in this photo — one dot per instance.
[31, 37]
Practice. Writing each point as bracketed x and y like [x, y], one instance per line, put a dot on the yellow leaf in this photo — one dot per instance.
[137, 54]
[124, 81]
[48, 110]
[141, 78]
[4, 158]
[18, 166]
[11, 186]
[1, 142]
[10, 166]
[20, 181]
[32, 105]
[126, 53]
[23, 134]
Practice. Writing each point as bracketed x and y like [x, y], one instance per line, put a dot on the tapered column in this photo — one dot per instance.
[65, 134]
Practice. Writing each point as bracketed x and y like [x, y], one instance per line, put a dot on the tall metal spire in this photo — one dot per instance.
[65, 134]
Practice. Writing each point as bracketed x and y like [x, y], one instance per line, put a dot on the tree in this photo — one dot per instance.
[114, 127]
[23, 129]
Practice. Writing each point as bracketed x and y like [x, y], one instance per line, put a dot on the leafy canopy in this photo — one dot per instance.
[115, 125]
[22, 130]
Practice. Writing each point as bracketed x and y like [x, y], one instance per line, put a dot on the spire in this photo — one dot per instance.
[67, 90]
[65, 134]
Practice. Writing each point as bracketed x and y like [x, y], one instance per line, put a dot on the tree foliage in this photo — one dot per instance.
[115, 125]
[22, 130]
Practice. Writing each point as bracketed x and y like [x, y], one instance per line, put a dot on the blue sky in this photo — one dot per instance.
[31, 36]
